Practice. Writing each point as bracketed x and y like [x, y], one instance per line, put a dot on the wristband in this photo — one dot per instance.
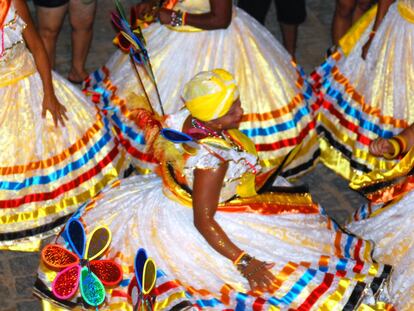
[176, 18]
[244, 262]
[184, 19]
[402, 142]
[239, 257]
[397, 149]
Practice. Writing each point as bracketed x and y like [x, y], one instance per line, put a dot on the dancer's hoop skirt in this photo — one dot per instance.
[273, 91]
[46, 172]
[316, 266]
[360, 100]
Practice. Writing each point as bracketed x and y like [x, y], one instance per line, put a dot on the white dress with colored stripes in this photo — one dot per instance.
[317, 266]
[273, 91]
[46, 172]
[390, 227]
[361, 100]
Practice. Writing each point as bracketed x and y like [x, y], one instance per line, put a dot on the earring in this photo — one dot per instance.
[220, 126]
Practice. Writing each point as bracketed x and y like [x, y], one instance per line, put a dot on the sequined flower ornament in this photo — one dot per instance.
[80, 267]
[143, 282]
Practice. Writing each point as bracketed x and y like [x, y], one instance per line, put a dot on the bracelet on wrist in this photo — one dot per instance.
[236, 261]
[184, 19]
[402, 142]
[176, 18]
[243, 262]
[397, 149]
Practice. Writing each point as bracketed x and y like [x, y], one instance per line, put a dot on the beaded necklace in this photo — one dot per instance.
[210, 132]
[224, 135]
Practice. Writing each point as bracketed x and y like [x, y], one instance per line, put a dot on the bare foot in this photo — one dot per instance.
[77, 77]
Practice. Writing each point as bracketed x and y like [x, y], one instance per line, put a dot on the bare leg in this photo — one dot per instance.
[50, 22]
[342, 20]
[361, 7]
[290, 34]
[81, 19]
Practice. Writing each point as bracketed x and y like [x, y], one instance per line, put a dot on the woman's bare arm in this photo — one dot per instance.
[383, 6]
[408, 134]
[206, 193]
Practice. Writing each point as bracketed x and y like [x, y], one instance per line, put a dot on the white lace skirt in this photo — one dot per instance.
[359, 100]
[273, 91]
[390, 227]
[315, 265]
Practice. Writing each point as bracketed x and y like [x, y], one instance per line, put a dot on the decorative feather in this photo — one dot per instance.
[131, 40]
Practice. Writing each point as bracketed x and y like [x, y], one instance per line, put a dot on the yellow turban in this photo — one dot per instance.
[210, 94]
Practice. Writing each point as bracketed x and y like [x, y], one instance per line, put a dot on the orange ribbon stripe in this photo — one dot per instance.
[4, 9]
[42, 164]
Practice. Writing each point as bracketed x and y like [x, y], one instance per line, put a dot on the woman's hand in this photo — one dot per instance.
[56, 109]
[381, 146]
[365, 48]
[219, 16]
[144, 9]
[164, 15]
[259, 277]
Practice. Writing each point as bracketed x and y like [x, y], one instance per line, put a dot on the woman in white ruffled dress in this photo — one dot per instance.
[57, 149]
[214, 34]
[366, 88]
[271, 251]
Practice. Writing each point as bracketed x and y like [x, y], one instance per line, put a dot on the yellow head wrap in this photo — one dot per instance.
[210, 94]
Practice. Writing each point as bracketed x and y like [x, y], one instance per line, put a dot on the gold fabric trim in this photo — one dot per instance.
[339, 163]
[29, 245]
[402, 168]
[185, 28]
[48, 306]
[268, 203]
[406, 12]
[348, 41]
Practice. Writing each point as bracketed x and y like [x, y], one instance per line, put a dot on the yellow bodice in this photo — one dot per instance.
[193, 6]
